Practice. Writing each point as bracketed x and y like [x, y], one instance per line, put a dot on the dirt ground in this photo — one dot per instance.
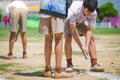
[108, 52]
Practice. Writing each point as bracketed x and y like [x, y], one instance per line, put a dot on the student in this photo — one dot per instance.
[81, 16]
[52, 27]
[5, 19]
[17, 14]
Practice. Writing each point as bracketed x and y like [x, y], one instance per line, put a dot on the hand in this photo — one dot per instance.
[85, 52]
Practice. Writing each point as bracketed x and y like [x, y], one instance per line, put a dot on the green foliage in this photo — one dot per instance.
[106, 10]
[1, 13]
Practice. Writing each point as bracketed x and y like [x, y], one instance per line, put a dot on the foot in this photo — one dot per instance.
[69, 69]
[9, 56]
[62, 75]
[47, 74]
[97, 68]
[24, 55]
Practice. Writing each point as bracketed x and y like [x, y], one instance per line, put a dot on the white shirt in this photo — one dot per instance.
[17, 4]
[75, 14]
[44, 15]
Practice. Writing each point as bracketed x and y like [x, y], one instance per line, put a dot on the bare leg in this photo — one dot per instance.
[92, 48]
[68, 46]
[58, 54]
[68, 52]
[11, 45]
[24, 41]
[24, 44]
[58, 49]
[48, 49]
[11, 41]
[48, 52]
[93, 55]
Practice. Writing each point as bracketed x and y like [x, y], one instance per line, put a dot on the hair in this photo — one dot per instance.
[91, 5]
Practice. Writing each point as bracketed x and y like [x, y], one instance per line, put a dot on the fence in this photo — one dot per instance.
[102, 25]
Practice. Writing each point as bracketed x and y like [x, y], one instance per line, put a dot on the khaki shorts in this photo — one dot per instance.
[17, 16]
[81, 28]
[51, 25]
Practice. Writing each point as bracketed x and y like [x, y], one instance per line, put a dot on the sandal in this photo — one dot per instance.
[47, 72]
[9, 56]
[61, 74]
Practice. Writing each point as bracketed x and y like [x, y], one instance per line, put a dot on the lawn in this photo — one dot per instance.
[31, 32]
[33, 25]
[106, 31]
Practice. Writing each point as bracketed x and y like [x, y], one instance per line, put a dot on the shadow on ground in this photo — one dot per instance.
[40, 73]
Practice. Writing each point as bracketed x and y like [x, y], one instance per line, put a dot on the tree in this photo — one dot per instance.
[106, 10]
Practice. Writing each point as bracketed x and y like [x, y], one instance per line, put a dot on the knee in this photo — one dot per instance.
[48, 38]
[12, 35]
[58, 37]
[68, 38]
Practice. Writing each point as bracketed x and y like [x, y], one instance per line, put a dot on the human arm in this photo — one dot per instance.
[75, 36]
[77, 40]
[89, 22]
[88, 38]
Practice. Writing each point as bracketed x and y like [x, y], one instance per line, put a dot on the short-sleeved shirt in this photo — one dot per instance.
[17, 4]
[75, 14]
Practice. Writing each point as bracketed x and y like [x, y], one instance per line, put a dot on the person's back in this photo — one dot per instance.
[17, 13]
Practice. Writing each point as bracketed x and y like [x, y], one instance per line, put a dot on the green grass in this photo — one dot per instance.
[31, 33]
[10, 77]
[33, 23]
[77, 53]
[5, 67]
[106, 31]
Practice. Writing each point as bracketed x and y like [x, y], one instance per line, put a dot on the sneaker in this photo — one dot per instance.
[69, 69]
[97, 68]
[62, 75]
[47, 74]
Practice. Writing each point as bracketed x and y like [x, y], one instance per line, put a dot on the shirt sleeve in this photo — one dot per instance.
[72, 19]
[71, 16]
[73, 11]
